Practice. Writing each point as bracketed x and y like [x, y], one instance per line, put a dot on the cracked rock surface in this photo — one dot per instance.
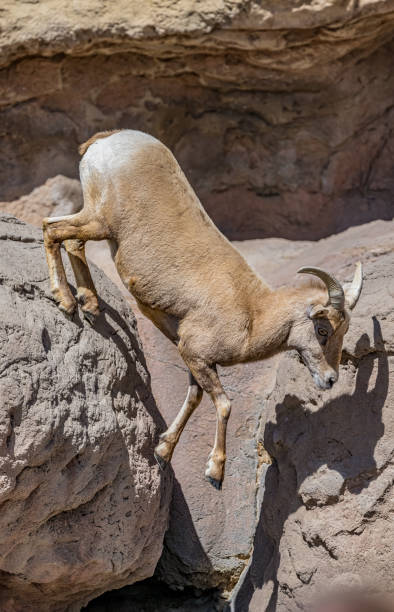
[281, 113]
[83, 506]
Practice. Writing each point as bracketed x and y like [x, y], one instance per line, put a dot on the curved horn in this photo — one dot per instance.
[334, 287]
[353, 293]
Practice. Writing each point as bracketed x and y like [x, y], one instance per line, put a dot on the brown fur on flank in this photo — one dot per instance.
[85, 145]
[186, 277]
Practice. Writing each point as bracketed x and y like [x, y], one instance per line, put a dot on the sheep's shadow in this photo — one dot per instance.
[136, 383]
[112, 326]
[344, 433]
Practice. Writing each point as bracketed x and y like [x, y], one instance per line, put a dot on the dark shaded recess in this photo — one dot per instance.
[154, 594]
[151, 595]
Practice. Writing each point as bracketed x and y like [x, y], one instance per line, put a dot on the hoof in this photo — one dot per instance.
[162, 463]
[68, 311]
[89, 317]
[215, 483]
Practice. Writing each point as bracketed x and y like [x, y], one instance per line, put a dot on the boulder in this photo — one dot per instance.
[84, 506]
[280, 113]
[211, 533]
[219, 549]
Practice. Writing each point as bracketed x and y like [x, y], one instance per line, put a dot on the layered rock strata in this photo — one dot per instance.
[281, 114]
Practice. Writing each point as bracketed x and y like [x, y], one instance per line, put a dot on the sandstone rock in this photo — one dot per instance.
[327, 499]
[220, 545]
[83, 504]
[319, 514]
[212, 535]
[280, 113]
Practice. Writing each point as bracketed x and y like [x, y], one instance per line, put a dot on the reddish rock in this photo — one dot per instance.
[327, 498]
[280, 115]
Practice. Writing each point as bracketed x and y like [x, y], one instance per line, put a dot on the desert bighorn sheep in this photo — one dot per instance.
[189, 279]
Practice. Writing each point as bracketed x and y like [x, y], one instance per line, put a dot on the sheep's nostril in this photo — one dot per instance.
[331, 380]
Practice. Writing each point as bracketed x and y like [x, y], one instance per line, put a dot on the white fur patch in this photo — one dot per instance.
[56, 219]
[108, 156]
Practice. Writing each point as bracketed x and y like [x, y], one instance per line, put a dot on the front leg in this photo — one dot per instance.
[208, 379]
[217, 457]
[168, 439]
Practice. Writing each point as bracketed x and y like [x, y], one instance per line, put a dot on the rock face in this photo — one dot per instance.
[308, 492]
[345, 443]
[327, 499]
[316, 506]
[207, 544]
[83, 505]
[280, 113]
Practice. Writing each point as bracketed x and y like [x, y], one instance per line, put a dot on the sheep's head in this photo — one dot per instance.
[318, 337]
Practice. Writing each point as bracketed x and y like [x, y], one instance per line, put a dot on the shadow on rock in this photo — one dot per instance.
[195, 566]
[342, 435]
[165, 591]
[154, 593]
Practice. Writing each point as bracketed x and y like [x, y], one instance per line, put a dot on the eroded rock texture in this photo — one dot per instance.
[83, 504]
[280, 113]
[211, 534]
[345, 442]
[278, 533]
[327, 500]
[315, 513]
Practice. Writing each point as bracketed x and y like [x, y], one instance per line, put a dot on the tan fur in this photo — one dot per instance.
[186, 277]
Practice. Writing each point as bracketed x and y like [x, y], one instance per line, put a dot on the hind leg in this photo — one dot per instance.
[87, 294]
[56, 230]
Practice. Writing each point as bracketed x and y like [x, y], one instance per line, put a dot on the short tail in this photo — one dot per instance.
[85, 145]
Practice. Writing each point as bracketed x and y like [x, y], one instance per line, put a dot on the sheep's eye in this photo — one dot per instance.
[322, 332]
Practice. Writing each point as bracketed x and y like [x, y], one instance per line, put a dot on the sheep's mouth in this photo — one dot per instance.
[320, 381]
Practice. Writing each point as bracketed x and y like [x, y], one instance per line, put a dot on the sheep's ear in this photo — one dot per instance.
[317, 310]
